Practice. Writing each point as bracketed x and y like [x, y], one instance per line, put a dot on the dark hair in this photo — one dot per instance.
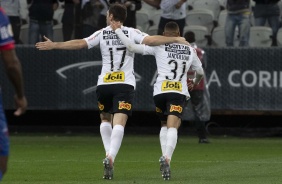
[118, 11]
[171, 26]
[190, 36]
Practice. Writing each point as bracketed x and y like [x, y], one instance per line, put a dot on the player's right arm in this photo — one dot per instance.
[67, 45]
[14, 73]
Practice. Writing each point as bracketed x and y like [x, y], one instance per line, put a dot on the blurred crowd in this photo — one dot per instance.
[62, 20]
[73, 18]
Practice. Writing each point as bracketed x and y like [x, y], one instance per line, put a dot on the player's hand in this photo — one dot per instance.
[181, 40]
[190, 84]
[47, 45]
[115, 24]
[21, 105]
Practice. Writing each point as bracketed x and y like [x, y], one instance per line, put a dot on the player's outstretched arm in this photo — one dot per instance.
[161, 40]
[14, 73]
[68, 45]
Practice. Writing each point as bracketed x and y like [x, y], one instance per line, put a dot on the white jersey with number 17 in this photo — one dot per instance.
[117, 61]
[173, 62]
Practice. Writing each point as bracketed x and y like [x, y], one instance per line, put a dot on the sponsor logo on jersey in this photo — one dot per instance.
[110, 34]
[177, 48]
[158, 110]
[123, 105]
[114, 77]
[177, 51]
[100, 106]
[171, 85]
[176, 108]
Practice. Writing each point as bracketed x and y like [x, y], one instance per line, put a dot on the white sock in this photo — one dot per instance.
[106, 133]
[171, 142]
[116, 139]
[163, 134]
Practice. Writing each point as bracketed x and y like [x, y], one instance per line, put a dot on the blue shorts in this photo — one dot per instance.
[4, 135]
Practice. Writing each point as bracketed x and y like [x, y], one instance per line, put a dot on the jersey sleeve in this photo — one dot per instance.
[138, 35]
[196, 63]
[149, 50]
[93, 40]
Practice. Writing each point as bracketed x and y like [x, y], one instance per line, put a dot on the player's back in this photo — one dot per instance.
[117, 61]
[173, 62]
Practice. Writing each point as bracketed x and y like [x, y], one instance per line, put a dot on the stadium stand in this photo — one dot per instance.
[58, 15]
[155, 17]
[212, 5]
[25, 25]
[142, 19]
[208, 13]
[279, 37]
[222, 18]
[260, 36]
[190, 4]
[58, 27]
[218, 37]
[201, 17]
[222, 3]
[201, 34]
[58, 33]
[24, 33]
[153, 30]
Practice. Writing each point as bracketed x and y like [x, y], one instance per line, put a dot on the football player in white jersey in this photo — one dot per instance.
[170, 89]
[116, 83]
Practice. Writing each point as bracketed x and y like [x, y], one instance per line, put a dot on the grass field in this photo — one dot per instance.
[38, 159]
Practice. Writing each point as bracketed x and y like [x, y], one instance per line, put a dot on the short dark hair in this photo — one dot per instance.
[118, 11]
[171, 26]
[190, 36]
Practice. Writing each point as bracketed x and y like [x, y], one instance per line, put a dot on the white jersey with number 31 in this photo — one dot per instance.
[173, 62]
[118, 62]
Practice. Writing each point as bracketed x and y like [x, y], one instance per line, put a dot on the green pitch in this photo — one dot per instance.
[78, 160]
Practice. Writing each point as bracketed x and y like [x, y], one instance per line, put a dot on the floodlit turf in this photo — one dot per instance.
[78, 160]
